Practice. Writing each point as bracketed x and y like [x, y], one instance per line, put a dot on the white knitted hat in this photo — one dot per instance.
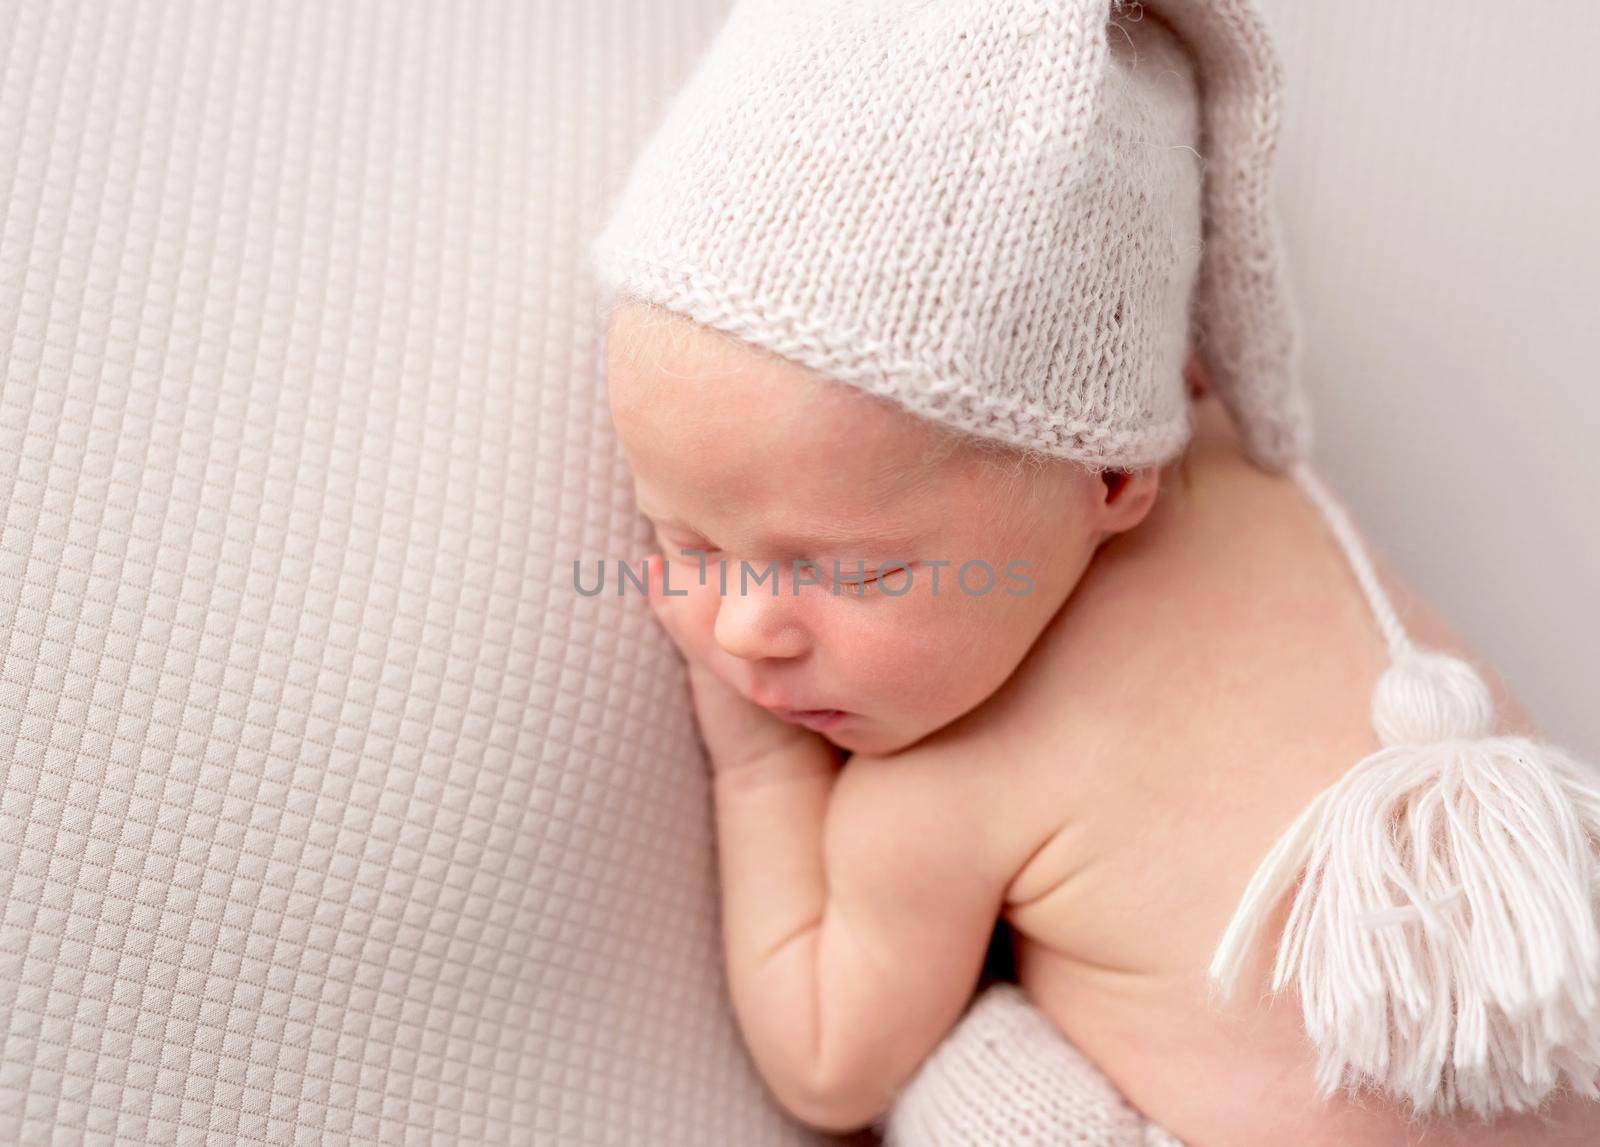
[984, 211]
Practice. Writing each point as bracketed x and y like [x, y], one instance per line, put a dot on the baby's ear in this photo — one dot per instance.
[1128, 497]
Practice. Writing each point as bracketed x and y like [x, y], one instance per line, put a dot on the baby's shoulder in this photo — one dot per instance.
[1211, 673]
[1221, 631]
[1232, 612]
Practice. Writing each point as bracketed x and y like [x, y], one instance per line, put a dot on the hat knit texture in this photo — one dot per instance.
[989, 212]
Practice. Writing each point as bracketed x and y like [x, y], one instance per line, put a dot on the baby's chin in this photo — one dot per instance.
[859, 733]
[855, 741]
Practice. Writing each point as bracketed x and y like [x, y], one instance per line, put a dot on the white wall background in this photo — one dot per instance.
[1440, 172]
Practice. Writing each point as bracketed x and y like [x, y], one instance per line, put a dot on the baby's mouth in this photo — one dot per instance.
[811, 718]
[816, 719]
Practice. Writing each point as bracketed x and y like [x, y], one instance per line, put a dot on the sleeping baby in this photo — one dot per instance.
[960, 395]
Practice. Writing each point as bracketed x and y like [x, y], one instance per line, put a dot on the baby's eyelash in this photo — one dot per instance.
[689, 545]
[879, 573]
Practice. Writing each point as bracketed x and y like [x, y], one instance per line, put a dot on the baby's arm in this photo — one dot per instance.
[857, 904]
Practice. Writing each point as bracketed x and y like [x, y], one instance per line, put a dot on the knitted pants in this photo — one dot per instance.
[1005, 1077]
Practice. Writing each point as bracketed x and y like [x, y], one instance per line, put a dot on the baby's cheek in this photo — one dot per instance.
[893, 645]
[940, 657]
[696, 587]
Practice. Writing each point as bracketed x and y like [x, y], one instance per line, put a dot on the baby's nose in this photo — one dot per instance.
[757, 623]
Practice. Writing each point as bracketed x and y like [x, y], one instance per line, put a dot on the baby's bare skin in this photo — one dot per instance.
[1102, 763]
[1234, 606]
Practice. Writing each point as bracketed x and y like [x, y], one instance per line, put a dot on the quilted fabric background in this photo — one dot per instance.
[329, 812]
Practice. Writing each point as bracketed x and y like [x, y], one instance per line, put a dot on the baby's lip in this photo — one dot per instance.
[785, 708]
[818, 719]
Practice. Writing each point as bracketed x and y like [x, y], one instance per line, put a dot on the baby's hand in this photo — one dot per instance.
[737, 732]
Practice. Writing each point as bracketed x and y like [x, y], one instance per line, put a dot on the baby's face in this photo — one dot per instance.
[756, 460]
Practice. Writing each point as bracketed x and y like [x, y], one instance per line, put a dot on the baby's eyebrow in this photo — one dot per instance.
[825, 536]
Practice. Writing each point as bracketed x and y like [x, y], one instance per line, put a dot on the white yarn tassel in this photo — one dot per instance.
[1443, 938]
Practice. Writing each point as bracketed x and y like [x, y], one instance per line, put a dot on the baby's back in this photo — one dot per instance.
[1212, 672]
